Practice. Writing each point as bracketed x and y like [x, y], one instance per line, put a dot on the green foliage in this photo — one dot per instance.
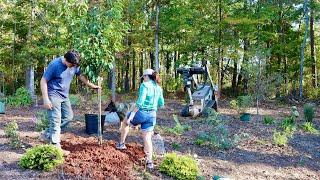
[218, 138]
[308, 127]
[287, 122]
[11, 131]
[42, 120]
[173, 84]
[309, 112]
[20, 98]
[313, 93]
[74, 99]
[268, 119]
[176, 146]
[241, 104]
[178, 129]
[280, 139]
[42, 157]
[211, 116]
[179, 167]
[233, 104]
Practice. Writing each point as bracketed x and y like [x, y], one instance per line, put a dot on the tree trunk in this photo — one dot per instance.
[303, 45]
[30, 68]
[113, 87]
[126, 80]
[219, 51]
[151, 60]
[157, 65]
[313, 50]
[245, 79]
[133, 80]
[234, 78]
[141, 65]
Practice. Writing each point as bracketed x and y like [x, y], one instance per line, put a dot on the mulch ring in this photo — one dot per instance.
[90, 160]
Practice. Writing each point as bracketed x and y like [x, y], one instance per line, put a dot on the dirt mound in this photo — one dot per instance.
[88, 159]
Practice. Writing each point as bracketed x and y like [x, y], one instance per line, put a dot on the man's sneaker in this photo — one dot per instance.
[149, 165]
[44, 137]
[121, 146]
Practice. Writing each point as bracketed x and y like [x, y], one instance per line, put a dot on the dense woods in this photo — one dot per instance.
[265, 48]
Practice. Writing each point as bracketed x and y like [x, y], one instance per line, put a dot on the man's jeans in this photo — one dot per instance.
[61, 112]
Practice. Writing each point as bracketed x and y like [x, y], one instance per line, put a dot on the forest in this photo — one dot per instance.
[259, 57]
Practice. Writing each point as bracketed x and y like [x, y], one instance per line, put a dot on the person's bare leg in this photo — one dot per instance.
[124, 131]
[148, 145]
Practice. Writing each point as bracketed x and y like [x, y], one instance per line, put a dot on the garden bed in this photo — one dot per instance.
[88, 159]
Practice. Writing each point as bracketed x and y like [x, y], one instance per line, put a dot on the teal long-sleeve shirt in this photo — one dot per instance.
[150, 96]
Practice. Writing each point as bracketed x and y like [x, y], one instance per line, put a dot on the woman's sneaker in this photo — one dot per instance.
[121, 146]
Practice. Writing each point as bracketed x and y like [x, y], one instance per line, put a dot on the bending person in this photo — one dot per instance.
[149, 99]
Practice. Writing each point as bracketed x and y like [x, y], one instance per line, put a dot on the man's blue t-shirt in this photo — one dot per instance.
[59, 78]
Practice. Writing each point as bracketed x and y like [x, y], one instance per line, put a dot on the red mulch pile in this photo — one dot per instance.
[88, 159]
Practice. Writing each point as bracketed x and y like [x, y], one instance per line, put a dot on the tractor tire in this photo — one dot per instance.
[185, 111]
[214, 106]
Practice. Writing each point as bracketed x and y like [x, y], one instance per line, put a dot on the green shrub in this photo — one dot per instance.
[288, 121]
[233, 104]
[42, 157]
[309, 112]
[178, 129]
[179, 167]
[20, 98]
[268, 120]
[211, 116]
[308, 127]
[289, 130]
[42, 120]
[74, 99]
[11, 131]
[280, 139]
[218, 138]
[241, 104]
[176, 146]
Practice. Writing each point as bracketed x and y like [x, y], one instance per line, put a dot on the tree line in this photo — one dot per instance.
[267, 48]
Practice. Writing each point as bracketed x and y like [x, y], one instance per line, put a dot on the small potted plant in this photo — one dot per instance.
[2, 104]
[242, 104]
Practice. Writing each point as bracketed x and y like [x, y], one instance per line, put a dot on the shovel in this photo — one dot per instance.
[99, 116]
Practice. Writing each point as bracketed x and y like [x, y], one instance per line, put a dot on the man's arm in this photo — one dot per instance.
[44, 90]
[87, 82]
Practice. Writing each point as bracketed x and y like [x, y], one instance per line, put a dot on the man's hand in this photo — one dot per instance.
[47, 104]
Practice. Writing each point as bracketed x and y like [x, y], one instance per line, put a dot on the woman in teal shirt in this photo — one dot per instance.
[149, 99]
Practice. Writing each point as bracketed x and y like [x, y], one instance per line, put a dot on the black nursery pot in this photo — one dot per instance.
[92, 123]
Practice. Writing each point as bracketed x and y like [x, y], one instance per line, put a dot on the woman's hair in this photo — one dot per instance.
[155, 77]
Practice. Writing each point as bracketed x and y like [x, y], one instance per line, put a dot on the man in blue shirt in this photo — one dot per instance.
[55, 85]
